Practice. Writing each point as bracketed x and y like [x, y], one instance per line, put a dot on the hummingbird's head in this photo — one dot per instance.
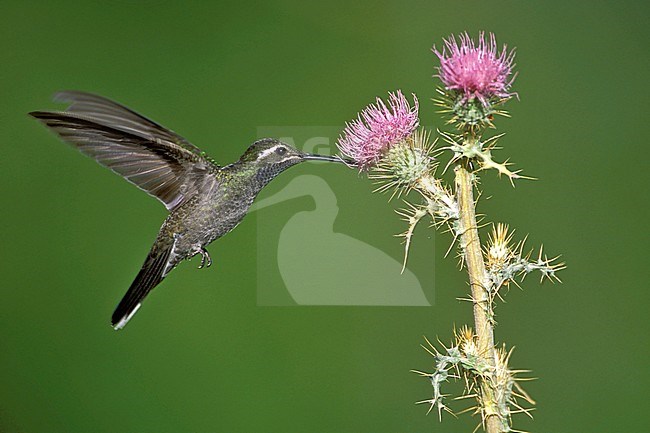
[271, 157]
[271, 151]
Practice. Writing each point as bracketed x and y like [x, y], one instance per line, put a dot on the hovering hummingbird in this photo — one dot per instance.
[205, 201]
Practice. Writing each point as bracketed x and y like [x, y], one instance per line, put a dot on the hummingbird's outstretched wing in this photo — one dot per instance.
[153, 158]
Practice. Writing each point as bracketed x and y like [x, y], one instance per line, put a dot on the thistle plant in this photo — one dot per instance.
[386, 142]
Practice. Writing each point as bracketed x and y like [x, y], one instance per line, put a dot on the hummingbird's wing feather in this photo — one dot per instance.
[153, 271]
[143, 153]
[110, 113]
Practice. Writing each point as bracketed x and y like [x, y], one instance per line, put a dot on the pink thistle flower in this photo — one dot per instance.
[377, 128]
[477, 70]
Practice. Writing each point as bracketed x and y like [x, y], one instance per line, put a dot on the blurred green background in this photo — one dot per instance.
[202, 356]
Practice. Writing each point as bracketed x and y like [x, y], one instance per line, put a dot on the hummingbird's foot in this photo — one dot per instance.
[206, 261]
[205, 258]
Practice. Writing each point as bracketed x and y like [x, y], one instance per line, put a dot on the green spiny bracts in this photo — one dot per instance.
[408, 163]
[493, 386]
[469, 114]
[405, 164]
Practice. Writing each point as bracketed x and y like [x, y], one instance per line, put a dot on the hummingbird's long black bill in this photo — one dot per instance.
[314, 157]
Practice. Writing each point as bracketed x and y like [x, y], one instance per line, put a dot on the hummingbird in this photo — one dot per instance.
[205, 200]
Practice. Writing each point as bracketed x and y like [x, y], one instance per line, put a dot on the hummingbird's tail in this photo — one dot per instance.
[152, 273]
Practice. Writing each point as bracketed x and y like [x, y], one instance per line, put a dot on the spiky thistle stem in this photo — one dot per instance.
[385, 142]
[473, 259]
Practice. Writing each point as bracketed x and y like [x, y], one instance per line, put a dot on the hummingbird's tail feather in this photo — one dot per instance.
[152, 273]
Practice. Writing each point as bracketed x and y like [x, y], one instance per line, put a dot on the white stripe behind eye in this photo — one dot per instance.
[268, 151]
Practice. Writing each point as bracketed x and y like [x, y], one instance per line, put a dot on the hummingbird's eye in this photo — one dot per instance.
[281, 151]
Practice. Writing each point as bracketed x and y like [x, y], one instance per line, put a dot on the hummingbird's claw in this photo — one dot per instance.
[205, 258]
[206, 261]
